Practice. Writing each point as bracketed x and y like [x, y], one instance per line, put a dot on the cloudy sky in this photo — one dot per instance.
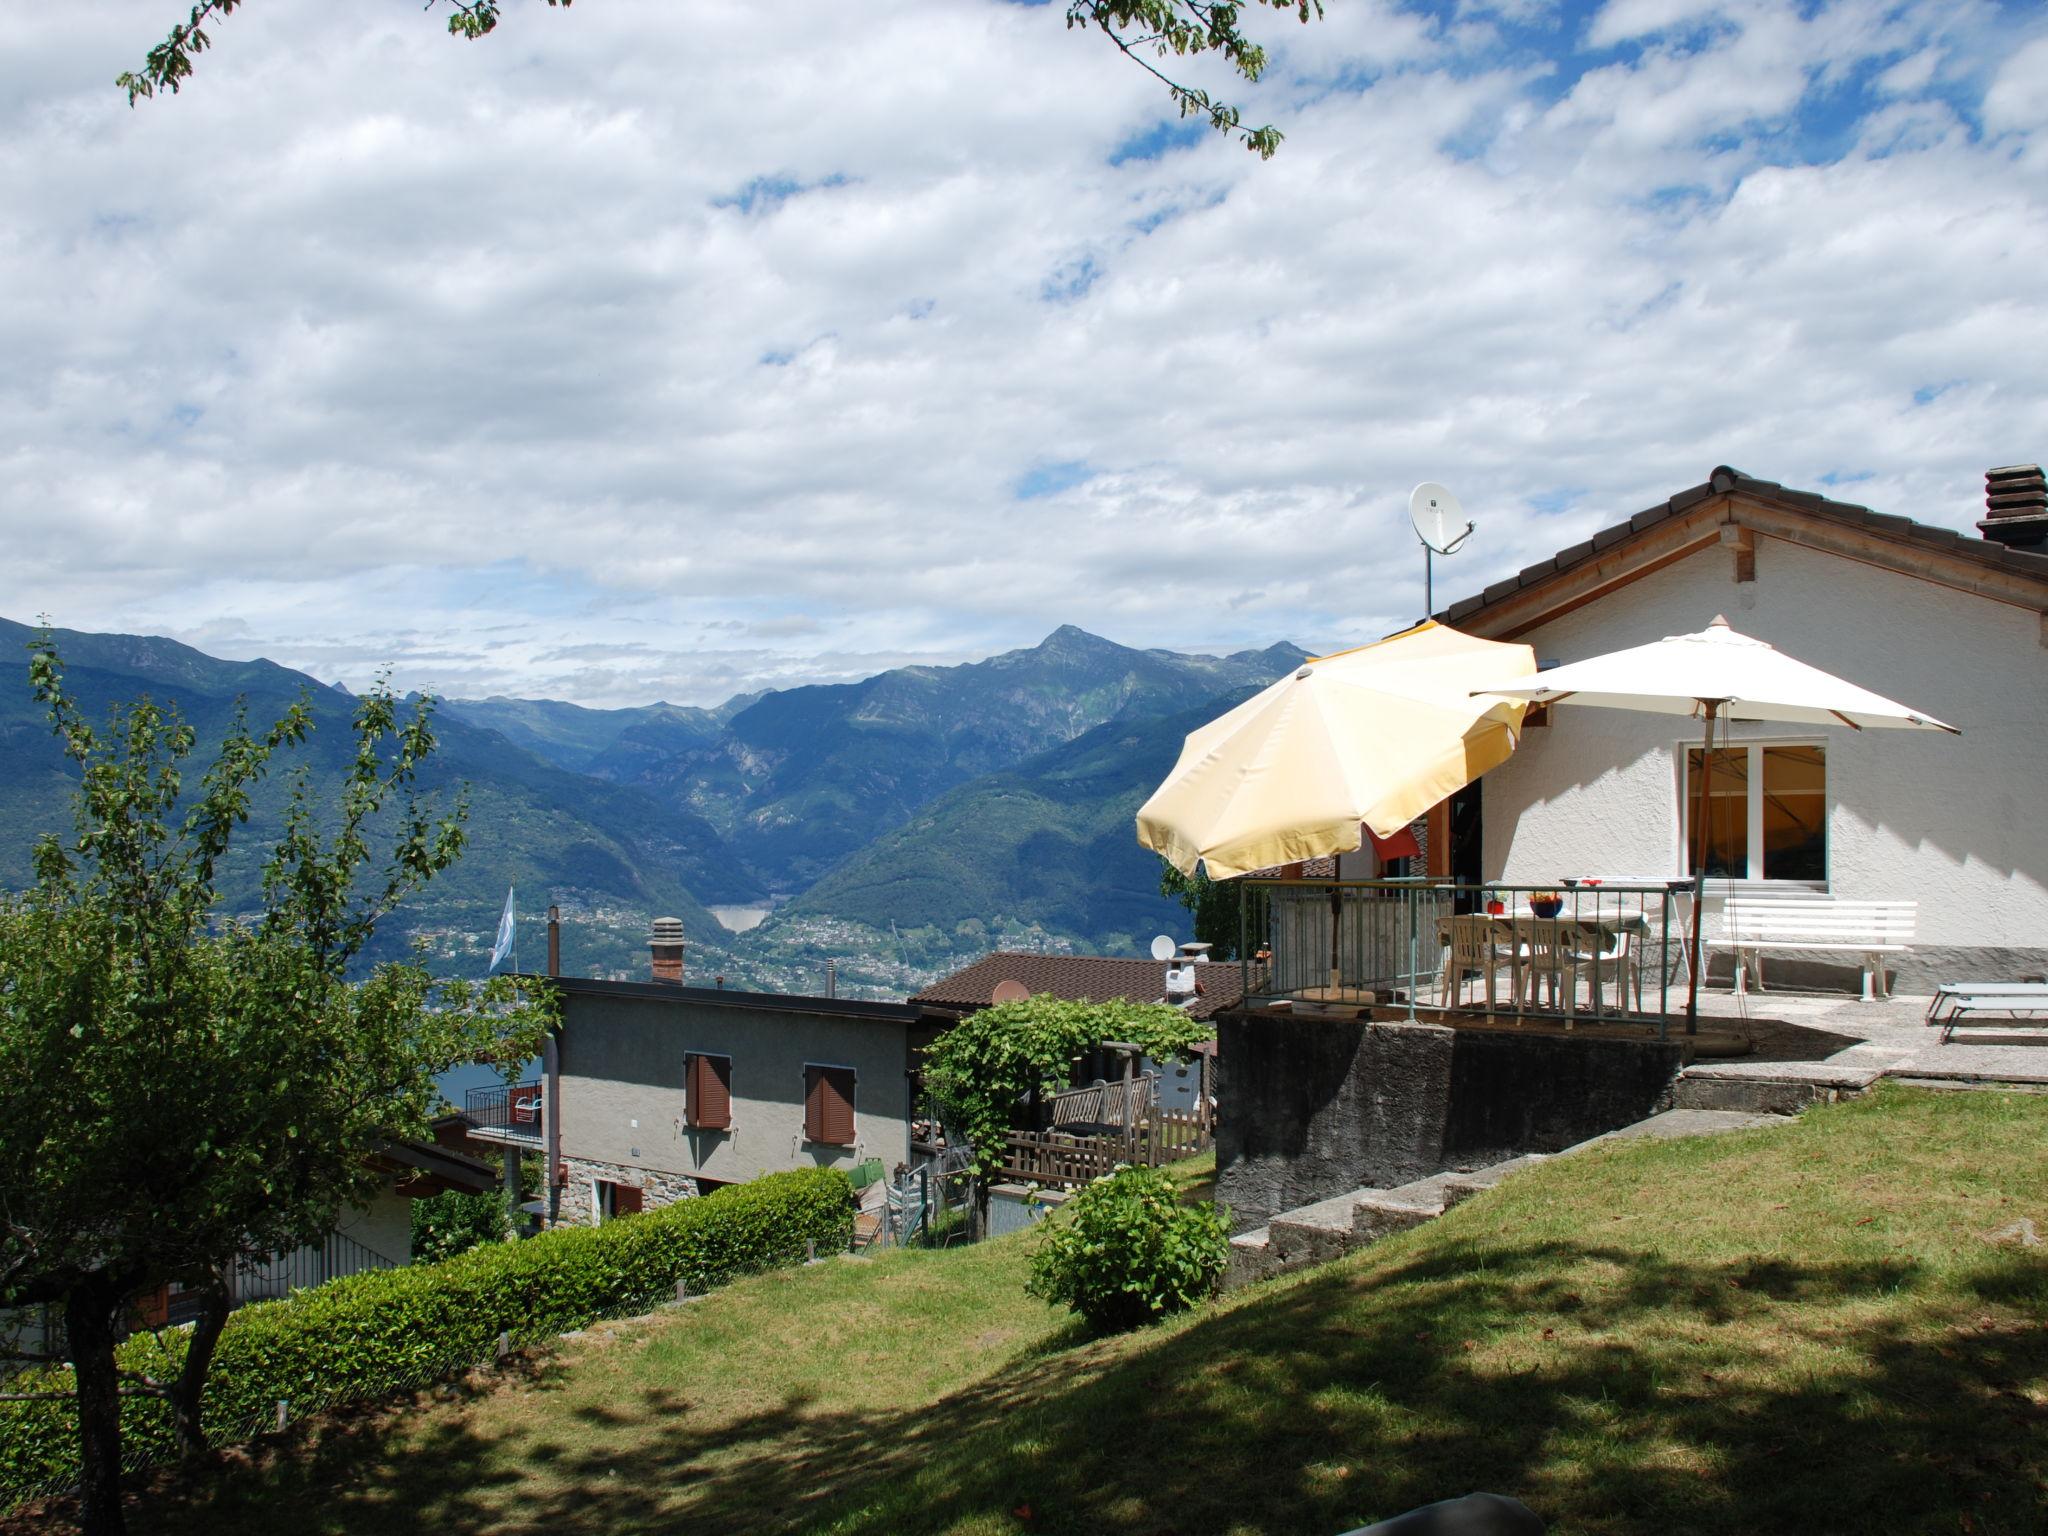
[654, 350]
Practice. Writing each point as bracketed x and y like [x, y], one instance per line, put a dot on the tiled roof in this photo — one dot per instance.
[1095, 977]
[1723, 481]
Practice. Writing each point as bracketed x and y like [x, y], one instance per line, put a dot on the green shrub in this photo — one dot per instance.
[1124, 1252]
[393, 1330]
[454, 1222]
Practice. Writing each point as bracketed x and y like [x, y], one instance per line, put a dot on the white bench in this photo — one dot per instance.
[1872, 929]
[2024, 1003]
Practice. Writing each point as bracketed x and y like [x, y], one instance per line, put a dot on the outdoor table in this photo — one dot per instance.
[1515, 929]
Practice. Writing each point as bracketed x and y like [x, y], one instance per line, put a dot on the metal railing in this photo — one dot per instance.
[513, 1110]
[1574, 950]
[270, 1279]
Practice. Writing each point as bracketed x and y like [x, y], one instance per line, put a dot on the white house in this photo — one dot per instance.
[1951, 625]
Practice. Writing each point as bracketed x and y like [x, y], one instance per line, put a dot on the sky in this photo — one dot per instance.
[652, 351]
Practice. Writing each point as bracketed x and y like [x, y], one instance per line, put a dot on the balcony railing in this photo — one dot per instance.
[1575, 951]
[511, 1112]
[268, 1279]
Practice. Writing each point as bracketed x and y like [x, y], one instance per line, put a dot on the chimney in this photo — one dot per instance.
[666, 944]
[2016, 501]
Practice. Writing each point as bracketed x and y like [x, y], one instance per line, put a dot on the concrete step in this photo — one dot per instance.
[1251, 1259]
[1315, 1234]
[1329, 1229]
[1382, 1213]
[1673, 1123]
[1470, 1184]
[1772, 1087]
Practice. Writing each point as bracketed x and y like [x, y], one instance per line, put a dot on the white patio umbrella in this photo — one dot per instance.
[1716, 672]
[1375, 735]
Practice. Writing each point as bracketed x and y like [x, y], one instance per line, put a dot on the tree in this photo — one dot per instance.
[1218, 906]
[983, 1068]
[1141, 30]
[182, 1092]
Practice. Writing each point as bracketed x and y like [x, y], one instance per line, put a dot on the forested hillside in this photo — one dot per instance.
[899, 826]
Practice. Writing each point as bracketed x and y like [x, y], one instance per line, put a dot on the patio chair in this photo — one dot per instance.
[1544, 955]
[1471, 950]
[1617, 957]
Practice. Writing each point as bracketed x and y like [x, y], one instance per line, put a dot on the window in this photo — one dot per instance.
[1767, 812]
[618, 1200]
[708, 1092]
[828, 1105]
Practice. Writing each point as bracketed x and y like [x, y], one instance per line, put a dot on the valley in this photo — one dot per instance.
[898, 826]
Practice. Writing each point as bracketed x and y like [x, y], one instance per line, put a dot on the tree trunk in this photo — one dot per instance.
[189, 1390]
[90, 1315]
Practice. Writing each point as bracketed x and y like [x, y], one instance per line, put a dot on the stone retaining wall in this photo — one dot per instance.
[1311, 1108]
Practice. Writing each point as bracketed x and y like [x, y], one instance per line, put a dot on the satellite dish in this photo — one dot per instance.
[1009, 992]
[1163, 948]
[1436, 514]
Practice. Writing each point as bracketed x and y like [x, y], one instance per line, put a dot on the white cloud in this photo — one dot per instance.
[372, 344]
[2018, 98]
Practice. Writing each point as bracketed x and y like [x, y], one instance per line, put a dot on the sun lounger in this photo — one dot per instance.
[1958, 1002]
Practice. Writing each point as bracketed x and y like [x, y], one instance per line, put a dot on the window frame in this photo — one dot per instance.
[1753, 819]
[690, 1105]
[852, 1105]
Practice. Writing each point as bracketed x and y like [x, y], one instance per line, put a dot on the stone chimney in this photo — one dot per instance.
[666, 944]
[2016, 499]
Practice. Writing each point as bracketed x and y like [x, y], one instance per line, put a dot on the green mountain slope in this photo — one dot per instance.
[803, 778]
[607, 851]
[1043, 852]
[573, 737]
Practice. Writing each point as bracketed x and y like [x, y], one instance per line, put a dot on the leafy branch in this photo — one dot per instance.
[1180, 29]
[1141, 30]
[168, 65]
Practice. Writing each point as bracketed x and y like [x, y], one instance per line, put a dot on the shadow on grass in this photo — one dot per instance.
[1612, 1391]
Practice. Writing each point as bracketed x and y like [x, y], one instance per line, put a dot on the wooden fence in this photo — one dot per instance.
[1066, 1162]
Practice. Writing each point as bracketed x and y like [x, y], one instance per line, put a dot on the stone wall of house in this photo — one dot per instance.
[578, 1206]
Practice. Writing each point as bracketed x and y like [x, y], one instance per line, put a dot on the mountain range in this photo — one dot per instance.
[899, 825]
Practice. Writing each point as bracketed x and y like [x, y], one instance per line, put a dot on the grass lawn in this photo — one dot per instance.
[1796, 1329]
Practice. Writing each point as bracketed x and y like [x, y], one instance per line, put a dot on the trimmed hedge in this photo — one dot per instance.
[395, 1330]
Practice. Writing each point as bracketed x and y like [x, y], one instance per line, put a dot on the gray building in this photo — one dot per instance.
[656, 1091]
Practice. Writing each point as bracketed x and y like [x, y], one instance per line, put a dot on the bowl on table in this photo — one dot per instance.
[1546, 906]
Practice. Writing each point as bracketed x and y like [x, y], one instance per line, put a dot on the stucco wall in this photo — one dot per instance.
[623, 1073]
[384, 1226]
[1952, 822]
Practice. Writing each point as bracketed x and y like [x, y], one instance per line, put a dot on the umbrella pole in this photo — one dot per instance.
[1699, 873]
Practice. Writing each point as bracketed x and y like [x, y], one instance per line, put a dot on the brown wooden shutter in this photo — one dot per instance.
[710, 1092]
[828, 1106]
[627, 1200]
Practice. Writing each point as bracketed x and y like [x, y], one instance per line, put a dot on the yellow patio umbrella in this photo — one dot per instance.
[1375, 735]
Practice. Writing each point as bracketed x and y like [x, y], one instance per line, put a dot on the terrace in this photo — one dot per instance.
[1607, 955]
[510, 1112]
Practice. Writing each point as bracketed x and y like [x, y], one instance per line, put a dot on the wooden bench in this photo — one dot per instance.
[1965, 1002]
[1102, 1104]
[1803, 924]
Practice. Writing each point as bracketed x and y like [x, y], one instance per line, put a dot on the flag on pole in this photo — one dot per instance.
[504, 944]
